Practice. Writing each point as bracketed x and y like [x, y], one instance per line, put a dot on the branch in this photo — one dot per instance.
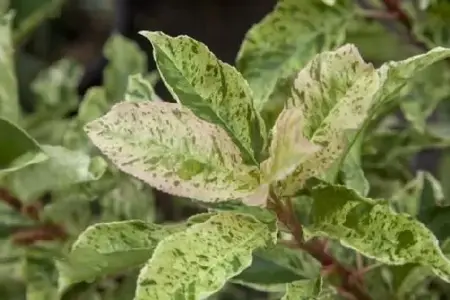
[41, 232]
[349, 287]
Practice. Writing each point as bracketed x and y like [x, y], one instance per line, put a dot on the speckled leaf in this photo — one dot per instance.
[374, 229]
[215, 91]
[395, 75]
[17, 148]
[289, 147]
[310, 289]
[334, 93]
[167, 146]
[9, 101]
[286, 39]
[107, 248]
[139, 88]
[62, 169]
[197, 262]
[124, 59]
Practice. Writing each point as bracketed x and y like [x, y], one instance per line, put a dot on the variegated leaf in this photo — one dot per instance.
[167, 146]
[203, 257]
[106, 248]
[395, 75]
[215, 91]
[374, 229]
[9, 98]
[286, 39]
[62, 169]
[125, 59]
[139, 88]
[289, 147]
[334, 93]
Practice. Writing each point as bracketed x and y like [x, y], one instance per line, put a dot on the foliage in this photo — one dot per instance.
[295, 160]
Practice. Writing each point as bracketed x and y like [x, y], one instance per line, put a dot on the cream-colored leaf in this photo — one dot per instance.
[334, 92]
[289, 146]
[167, 146]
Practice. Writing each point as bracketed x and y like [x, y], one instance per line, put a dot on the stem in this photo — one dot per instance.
[348, 288]
[41, 232]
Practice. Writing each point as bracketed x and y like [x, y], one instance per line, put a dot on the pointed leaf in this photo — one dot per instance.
[139, 88]
[285, 40]
[289, 147]
[167, 146]
[17, 148]
[215, 91]
[62, 169]
[9, 98]
[107, 248]
[203, 257]
[124, 59]
[374, 229]
[334, 92]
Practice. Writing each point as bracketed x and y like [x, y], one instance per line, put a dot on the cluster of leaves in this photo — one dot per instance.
[296, 154]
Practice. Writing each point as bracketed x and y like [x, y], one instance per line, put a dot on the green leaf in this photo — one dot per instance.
[21, 149]
[39, 274]
[374, 229]
[94, 105]
[107, 248]
[62, 169]
[4, 5]
[31, 14]
[407, 278]
[203, 257]
[9, 98]
[279, 265]
[215, 91]
[289, 147]
[140, 88]
[285, 40]
[306, 290]
[395, 75]
[334, 93]
[352, 172]
[423, 94]
[167, 146]
[128, 199]
[125, 59]
[57, 85]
